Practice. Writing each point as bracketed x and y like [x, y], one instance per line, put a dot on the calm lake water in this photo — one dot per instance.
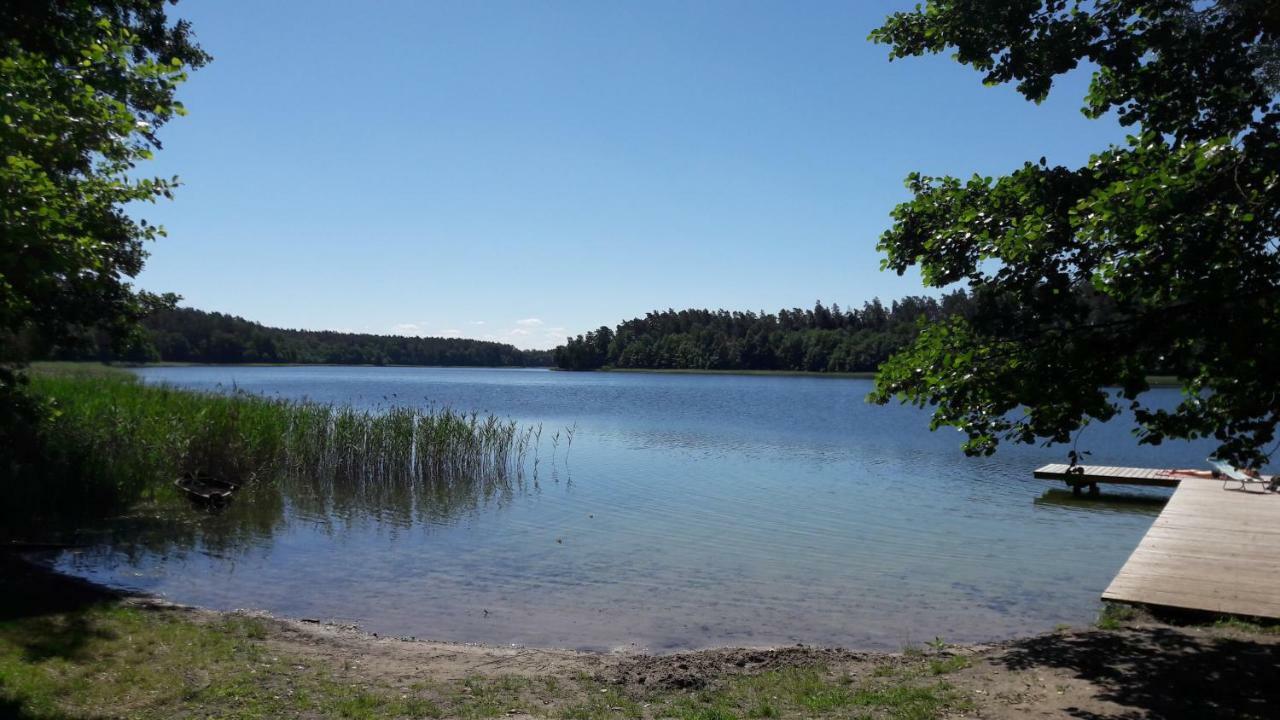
[691, 511]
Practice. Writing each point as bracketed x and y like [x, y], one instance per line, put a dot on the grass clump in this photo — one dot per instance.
[945, 665]
[490, 697]
[1114, 616]
[922, 667]
[600, 703]
[1253, 627]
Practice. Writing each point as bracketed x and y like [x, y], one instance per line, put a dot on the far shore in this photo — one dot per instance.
[779, 373]
[168, 363]
[1153, 380]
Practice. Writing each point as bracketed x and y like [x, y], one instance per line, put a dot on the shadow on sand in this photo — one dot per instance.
[1162, 672]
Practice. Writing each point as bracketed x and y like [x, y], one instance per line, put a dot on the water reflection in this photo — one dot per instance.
[1108, 502]
[339, 502]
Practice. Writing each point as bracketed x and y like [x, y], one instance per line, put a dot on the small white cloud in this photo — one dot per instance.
[529, 322]
[476, 322]
[519, 331]
[450, 332]
[406, 329]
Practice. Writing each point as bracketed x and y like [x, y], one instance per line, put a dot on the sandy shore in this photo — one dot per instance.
[1144, 668]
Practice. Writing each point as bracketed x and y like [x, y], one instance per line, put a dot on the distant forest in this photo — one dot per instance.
[189, 335]
[823, 339]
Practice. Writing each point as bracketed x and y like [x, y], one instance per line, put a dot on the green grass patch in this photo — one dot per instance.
[600, 702]
[1247, 626]
[77, 369]
[113, 660]
[1114, 616]
[946, 665]
[815, 692]
[922, 667]
[911, 702]
[136, 663]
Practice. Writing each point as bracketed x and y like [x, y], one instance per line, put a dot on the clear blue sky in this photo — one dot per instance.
[520, 171]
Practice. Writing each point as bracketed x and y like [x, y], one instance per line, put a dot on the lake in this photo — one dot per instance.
[690, 511]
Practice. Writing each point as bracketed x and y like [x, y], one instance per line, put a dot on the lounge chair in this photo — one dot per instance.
[1230, 474]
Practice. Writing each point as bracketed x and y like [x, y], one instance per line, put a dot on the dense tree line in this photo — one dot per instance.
[190, 335]
[821, 339]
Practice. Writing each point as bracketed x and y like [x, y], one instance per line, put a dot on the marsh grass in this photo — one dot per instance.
[109, 440]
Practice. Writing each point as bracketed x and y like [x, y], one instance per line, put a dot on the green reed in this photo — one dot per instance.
[111, 440]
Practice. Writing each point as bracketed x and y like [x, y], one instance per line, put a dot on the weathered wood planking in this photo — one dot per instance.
[1210, 549]
[1106, 474]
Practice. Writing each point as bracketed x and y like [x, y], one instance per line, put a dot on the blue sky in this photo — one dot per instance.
[520, 171]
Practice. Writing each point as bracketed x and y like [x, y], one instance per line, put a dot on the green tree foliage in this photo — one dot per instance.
[1176, 230]
[86, 86]
[824, 339]
[190, 335]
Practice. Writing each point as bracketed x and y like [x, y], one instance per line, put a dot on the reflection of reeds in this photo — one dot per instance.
[114, 440]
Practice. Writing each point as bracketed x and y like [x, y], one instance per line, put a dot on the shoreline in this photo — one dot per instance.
[869, 375]
[256, 664]
[1155, 381]
[121, 365]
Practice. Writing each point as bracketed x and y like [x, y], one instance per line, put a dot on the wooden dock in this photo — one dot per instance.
[1210, 549]
[1085, 475]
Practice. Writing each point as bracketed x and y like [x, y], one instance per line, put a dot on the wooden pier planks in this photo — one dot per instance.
[1107, 474]
[1210, 549]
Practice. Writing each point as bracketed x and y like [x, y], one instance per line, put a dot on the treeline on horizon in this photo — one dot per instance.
[197, 336]
[821, 339]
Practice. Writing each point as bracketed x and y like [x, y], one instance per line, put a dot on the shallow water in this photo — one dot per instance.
[691, 511]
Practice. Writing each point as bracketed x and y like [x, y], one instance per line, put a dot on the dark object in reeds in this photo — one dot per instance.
[206, 488]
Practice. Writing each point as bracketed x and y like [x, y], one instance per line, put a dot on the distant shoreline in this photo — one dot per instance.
[1154, 380]
[695, 371]
[174, 363]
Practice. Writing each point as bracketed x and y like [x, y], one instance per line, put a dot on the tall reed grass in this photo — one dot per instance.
[110, 440]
